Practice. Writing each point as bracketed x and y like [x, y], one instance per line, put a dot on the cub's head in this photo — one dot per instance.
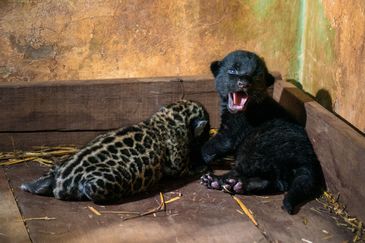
[192, 114]
[241, 77]
[195, 118]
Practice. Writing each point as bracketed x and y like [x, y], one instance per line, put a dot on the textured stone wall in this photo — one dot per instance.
[334, 60]
[71, 40]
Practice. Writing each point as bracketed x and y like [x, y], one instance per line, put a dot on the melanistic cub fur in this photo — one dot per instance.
[273, 153]
[131, 159]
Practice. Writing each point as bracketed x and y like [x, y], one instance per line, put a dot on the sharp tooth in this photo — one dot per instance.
[243, 101]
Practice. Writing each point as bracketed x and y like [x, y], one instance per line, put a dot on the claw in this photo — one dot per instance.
[227, 188]
[231, 181]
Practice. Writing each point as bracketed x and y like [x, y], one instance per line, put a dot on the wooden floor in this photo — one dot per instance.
[200, 215]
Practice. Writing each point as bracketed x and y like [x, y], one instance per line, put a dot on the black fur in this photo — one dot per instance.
[273, 153]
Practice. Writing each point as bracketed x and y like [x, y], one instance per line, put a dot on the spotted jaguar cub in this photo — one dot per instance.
[131, 159]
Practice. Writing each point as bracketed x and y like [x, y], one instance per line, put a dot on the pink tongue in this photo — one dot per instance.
[237, 98]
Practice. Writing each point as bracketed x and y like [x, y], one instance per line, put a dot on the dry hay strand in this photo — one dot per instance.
[38, 218]
[245, 210]
[161, 207]
[332, 204]
[213, 132]
[41, 154]
[92, 209]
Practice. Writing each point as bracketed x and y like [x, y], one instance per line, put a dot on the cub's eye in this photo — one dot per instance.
[232, 71]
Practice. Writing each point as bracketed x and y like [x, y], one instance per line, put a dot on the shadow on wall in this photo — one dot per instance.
[322, 96]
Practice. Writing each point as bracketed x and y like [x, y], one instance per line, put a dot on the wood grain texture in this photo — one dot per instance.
[341, 151]
[12, 228]
[95, 105]
[26, 140]
[292, 99]
[310, 223]
[200, 215]
[36, 113]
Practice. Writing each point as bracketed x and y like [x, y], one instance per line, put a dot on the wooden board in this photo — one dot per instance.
[25, 140]
[93, 105]
[292, 99]
[341, 151]
[312, 223]
[201, 215]
[12, 228]
[339, 147]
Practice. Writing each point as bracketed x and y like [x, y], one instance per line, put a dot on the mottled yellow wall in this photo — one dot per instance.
[334, 61]
[69, 39]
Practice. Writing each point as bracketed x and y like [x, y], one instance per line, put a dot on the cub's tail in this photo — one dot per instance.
[42, 186]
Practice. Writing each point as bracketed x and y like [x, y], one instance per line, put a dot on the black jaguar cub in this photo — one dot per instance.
[273, 153]
[131, 159]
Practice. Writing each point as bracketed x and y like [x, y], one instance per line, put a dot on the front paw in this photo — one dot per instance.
[208, 153]
[230, 185]
[210, 181]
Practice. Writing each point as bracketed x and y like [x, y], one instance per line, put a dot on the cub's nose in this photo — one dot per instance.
[242, 84]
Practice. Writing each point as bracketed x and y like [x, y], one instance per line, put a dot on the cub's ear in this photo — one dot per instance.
[269, 79]
[215, 67]
[199, 127]
[162, 109]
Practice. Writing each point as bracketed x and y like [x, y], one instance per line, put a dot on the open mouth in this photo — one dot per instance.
[237, 101]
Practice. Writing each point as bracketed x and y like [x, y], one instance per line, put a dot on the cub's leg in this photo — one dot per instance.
[304, 187]
[233, 130]
[217, 147]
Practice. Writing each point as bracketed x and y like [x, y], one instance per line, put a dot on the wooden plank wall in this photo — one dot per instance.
[64, 112]
[73, 112]
[339, 147]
